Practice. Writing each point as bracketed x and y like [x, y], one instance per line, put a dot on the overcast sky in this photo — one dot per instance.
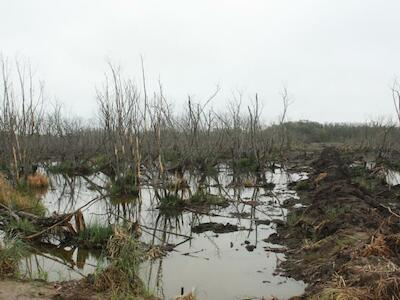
[337, 58]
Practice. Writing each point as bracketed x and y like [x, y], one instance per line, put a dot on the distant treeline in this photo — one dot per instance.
[372, 135]
[133, 130]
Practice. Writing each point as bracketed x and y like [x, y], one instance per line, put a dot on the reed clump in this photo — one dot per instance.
[378, 247]
[19, 200]
[95, 235]
[121, 275]
[10, 255]
[37, 180]
[124, 186]
[172, 202]
[344, 293]
[201, 198]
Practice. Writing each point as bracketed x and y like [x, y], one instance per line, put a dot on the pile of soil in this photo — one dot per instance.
[345, 243]
[214, 227]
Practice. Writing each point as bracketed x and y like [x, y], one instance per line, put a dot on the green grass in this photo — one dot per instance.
[116, 200]
[293, 218]
[303, 185]
[171, 202]
[245, 164]
[99, 161]
[202, 198]
[63, 167]
[42, 275]
[358, 171]
[32, 205]
[20, 198]
[10, 257]
[121, 276]
[71, 168]
[211, 170]
[333, 212]
[95, 235]
[124, 186]
[369, 185]
[22, 226]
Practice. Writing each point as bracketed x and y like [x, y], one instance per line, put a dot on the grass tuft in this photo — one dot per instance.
[124, 186]
[121, 276]
[38, 181]
[344, 293]
[203, 198]
[22, 226]
[10, 256]
[245, 164]
[171, 202]
[20, 199]
[95, 235]
[303, 185]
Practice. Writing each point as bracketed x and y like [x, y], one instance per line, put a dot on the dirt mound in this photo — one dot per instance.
[214, 227]
[342, 233]
[335, 203]
[329, 157]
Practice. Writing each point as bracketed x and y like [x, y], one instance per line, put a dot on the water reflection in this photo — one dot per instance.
[220, 265]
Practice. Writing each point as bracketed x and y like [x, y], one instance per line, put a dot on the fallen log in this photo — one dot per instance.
[276, 250]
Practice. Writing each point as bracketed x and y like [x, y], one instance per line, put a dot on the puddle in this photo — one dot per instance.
[231, 265]
[393, 177]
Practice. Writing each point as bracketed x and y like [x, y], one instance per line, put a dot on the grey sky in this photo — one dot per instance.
[337, 58]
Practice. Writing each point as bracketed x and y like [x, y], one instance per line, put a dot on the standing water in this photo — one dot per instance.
[219, 264]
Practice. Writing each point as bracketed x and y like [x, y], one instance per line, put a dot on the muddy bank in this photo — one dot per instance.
[12, 290]
[344, 241]
[72, 290]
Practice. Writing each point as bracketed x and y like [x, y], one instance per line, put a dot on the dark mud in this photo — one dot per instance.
[215, 227]
[344, 241]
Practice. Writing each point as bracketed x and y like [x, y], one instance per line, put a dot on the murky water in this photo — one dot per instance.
[218, 266]
[393, 177]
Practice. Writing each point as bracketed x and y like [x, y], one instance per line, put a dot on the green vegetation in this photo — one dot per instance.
[171, 202]
[72, 168]
[176, 185]
[245, 164]
[394, 165]
[362, 177]
[314, 132]
[201, 198]
[95, 235]
[333, 212]
[303, 185]
[358, 171]
[22, 226]
[10, 256]
[124, 186]
[120, 277]
[209, 169]
[367, 184]
[116, 200]
[42, 275]
[20, 198]
[293, 217]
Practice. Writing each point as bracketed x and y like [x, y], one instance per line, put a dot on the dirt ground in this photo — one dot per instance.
[21, 290]
[344, 243]
[73, 290]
